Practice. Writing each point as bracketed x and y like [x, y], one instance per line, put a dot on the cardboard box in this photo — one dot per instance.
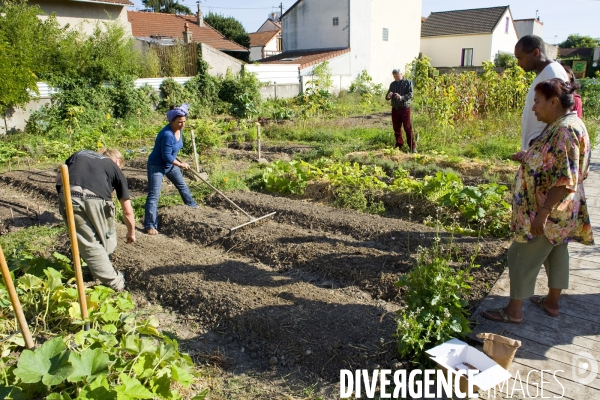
[454, 352]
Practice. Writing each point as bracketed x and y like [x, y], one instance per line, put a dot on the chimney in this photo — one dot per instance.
[199, 15]
[187, 34]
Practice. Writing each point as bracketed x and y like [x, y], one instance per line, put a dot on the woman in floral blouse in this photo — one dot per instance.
[549, 206]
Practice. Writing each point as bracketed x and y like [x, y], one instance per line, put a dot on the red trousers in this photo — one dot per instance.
[400, 117]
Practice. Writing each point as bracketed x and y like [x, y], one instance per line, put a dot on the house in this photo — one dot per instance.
[264, 44]
[271, 24]
[466, 38]
[85, 14]
[218, 51]
[531, 26]
[352, 35]
[149, 25]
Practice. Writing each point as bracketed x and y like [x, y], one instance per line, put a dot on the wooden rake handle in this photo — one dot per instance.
[14, 299]
[64, 171]
[197, 175]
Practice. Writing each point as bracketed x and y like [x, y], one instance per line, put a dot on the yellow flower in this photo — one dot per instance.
[99, 144]
[107, 116]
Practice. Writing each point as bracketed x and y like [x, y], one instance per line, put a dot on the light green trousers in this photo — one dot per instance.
[525, 261]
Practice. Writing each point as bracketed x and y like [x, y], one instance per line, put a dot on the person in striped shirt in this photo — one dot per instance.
[400, 93]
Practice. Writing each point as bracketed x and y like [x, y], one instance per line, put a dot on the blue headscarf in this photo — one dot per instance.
[181, 111]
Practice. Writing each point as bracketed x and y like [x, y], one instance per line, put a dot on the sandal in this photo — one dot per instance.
[501, 317]
[539, 301]
[151, 231]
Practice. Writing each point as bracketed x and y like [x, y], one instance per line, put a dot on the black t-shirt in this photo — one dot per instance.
[98, 173]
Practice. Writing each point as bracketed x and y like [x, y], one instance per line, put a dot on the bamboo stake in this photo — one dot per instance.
[14, 299]
[258, 140]
[64, 171]
[195, 152]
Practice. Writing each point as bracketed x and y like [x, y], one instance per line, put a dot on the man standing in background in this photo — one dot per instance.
[530, 52]
[400, 93]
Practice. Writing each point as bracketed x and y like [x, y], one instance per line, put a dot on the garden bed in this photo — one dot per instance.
[305, 293]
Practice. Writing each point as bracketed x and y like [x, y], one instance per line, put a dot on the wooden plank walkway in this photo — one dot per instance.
[554, 344]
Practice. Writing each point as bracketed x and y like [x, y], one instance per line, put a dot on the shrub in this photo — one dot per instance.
[242, 92]
[435, 304]
[363, 85]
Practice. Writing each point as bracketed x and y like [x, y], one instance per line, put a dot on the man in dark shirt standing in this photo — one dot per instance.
[93, 177]
[400, 93]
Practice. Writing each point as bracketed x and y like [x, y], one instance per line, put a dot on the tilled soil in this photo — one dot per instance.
[302, 294]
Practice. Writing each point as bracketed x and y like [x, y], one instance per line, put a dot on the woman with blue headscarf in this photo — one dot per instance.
[163, 162]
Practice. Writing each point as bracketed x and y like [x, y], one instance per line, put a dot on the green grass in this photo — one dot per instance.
[35, 240]
[495, 138]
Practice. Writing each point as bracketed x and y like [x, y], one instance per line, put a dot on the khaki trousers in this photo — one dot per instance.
[96, 236]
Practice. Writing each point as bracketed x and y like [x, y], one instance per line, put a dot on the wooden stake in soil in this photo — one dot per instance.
[258, 140]
[195, 152]
[12, 215]
[64, 171]
[9, 166]
[14, 299]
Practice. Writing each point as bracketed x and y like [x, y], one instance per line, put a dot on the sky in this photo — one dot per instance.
[560, 17]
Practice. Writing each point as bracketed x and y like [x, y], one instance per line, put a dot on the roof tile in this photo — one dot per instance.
[305, 58]
[146, 24]
[261, 38]
[461, 22]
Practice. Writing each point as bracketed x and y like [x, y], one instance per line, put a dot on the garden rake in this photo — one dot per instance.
[250, 217]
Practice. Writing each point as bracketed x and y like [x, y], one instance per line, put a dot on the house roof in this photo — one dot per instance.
[305, 58]
[277, 24]
[261, 38]
[119, 2]
[581, 52]
[147, 24]
[463, 22]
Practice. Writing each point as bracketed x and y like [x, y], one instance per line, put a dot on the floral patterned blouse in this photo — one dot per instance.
[560, 157]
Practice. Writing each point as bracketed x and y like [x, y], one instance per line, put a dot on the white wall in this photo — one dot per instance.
[340, 73]
[219, 62]
[529, 27]
[503, 42]
[403, 38]
[309, 25]
[360, 36]
[446, 51]
[82, 15]
[271, 45]
[280, 73]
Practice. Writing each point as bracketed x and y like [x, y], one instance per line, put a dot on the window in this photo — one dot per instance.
[506, 27]
[279, 43]
[336, 21]
[467, 58]
[386, 34]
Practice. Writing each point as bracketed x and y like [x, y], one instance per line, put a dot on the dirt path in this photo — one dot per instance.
[301, 295]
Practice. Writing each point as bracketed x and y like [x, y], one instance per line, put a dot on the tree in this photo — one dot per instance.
[167, 6]
[26, 52]
[577, 41]
[229, 27]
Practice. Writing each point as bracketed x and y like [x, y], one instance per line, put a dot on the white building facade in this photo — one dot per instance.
[467, 38]
[381, 34]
